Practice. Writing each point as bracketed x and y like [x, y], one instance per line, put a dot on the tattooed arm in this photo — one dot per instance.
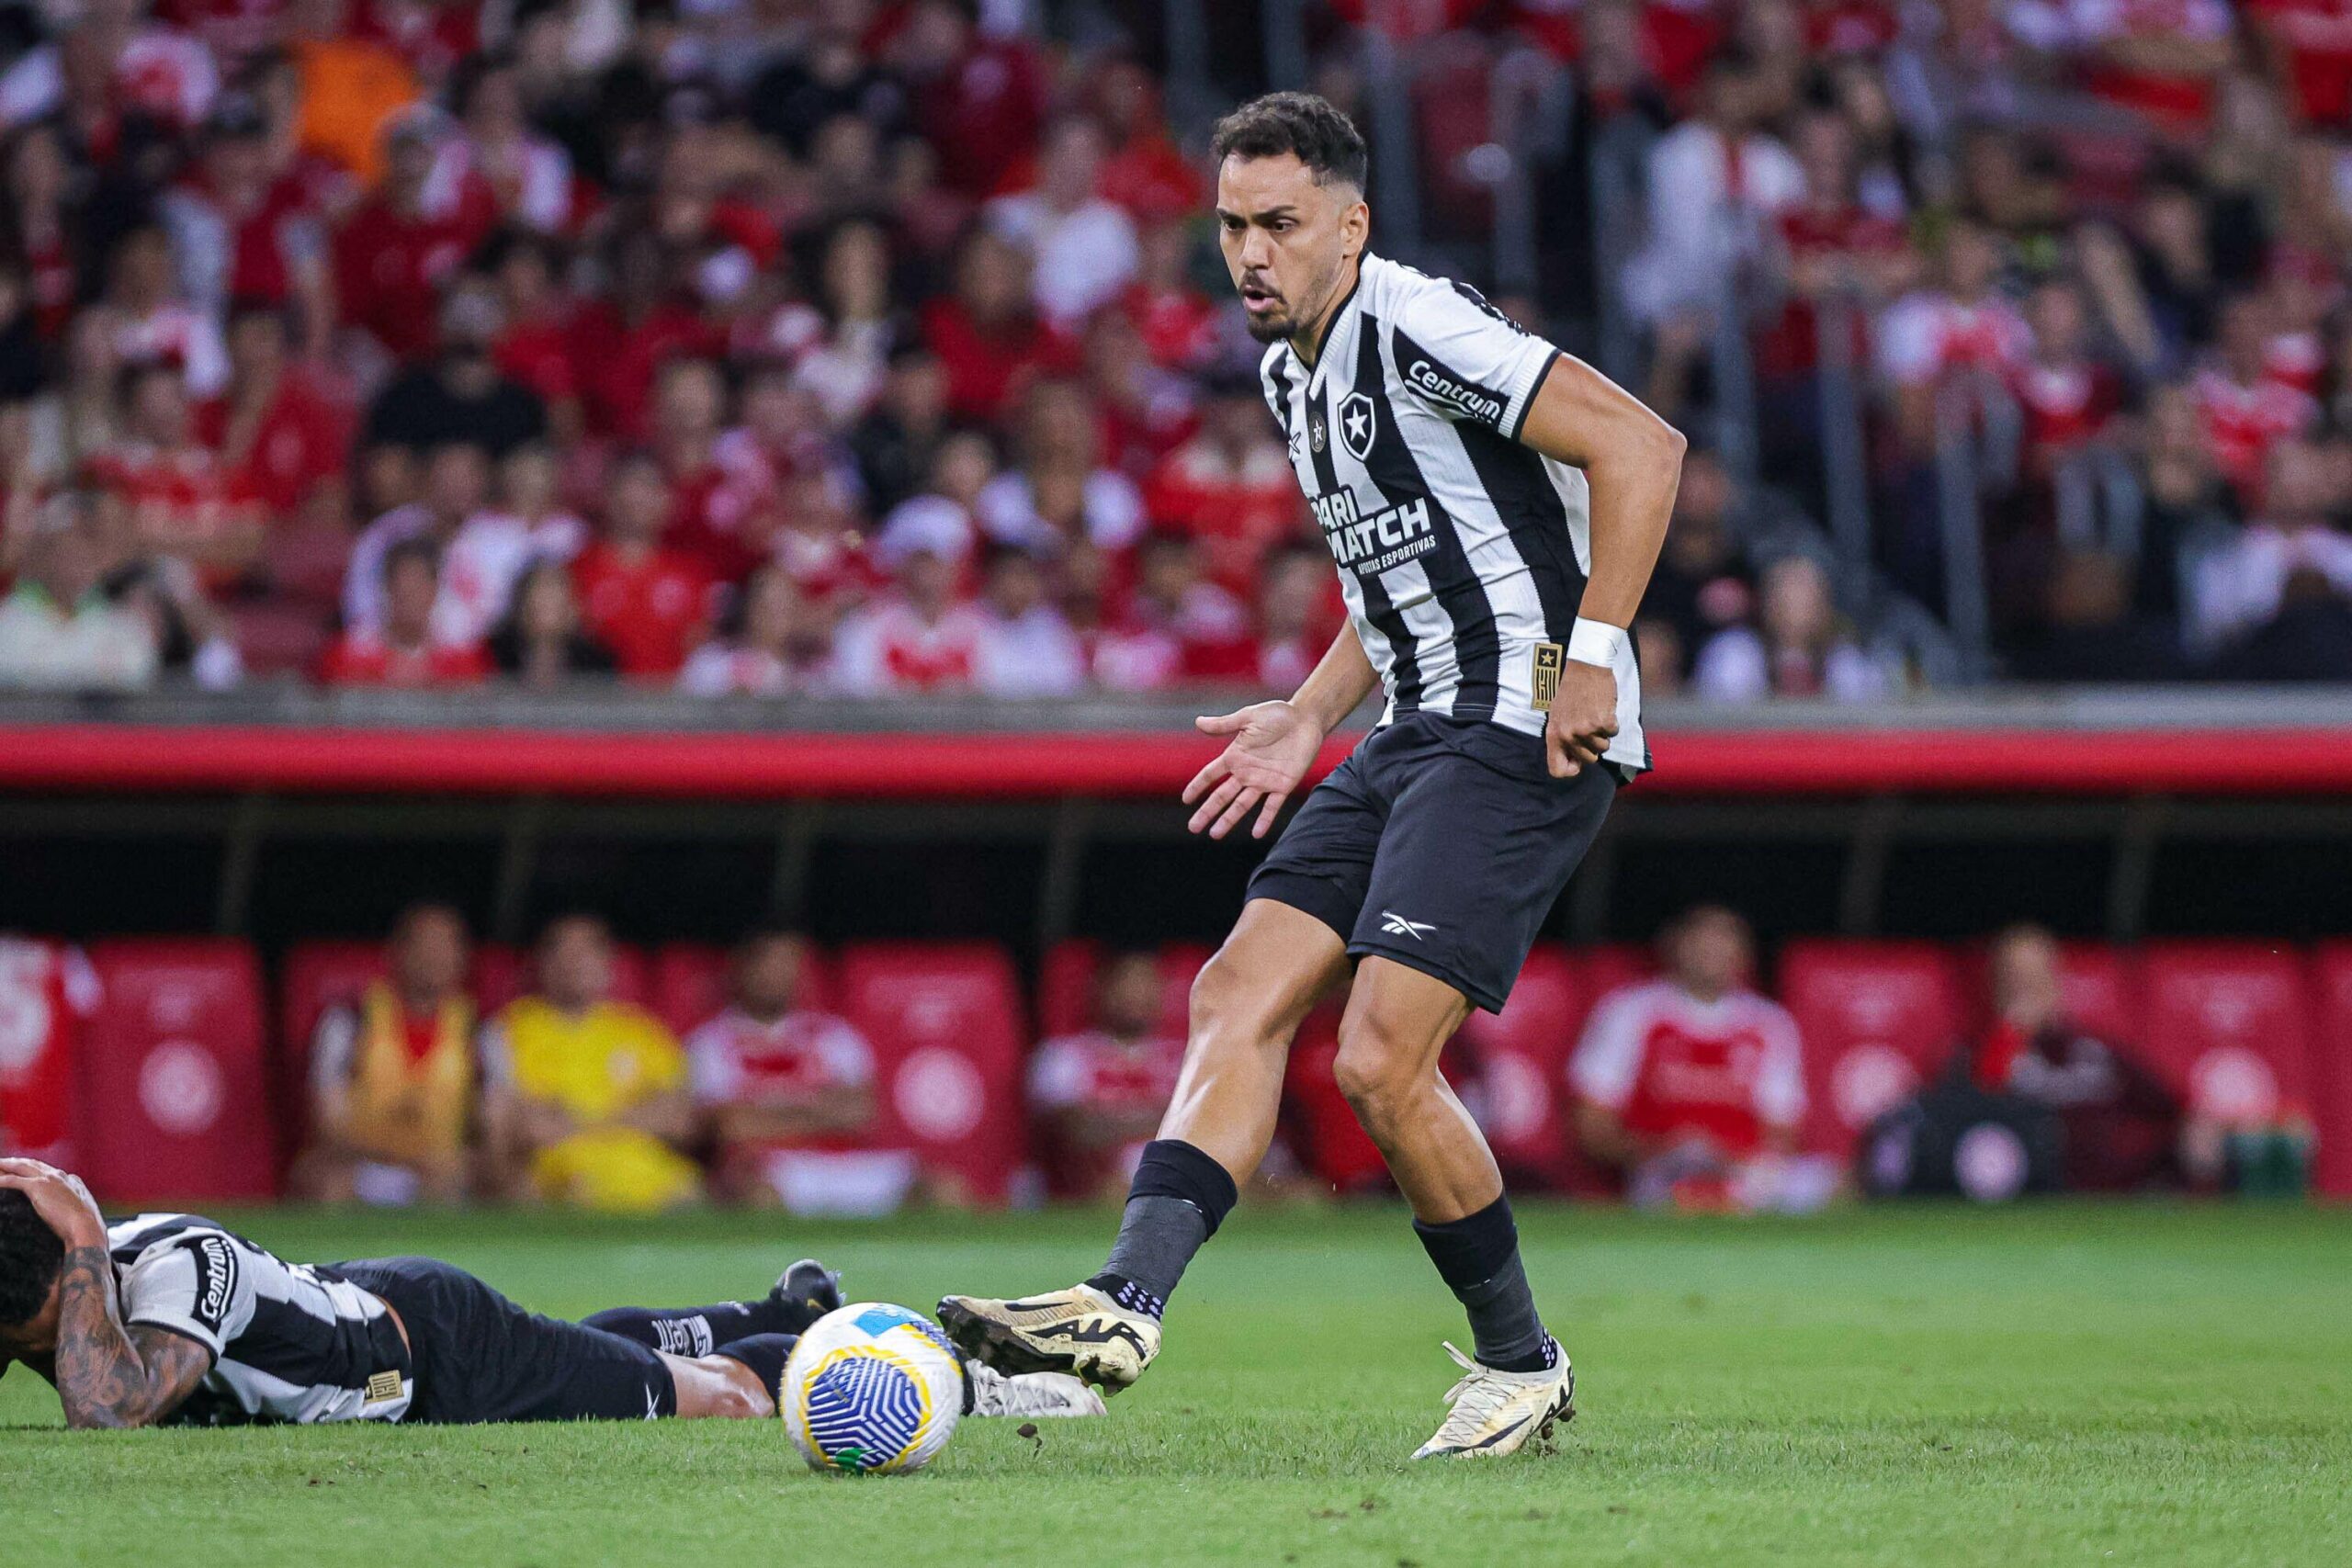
[106, 1374]
[109, 1375]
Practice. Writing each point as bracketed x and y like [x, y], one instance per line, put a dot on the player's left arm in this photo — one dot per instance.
[106, 1374]
[1633, 464]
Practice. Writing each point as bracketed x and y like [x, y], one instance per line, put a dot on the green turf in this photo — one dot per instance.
[2121, 1384]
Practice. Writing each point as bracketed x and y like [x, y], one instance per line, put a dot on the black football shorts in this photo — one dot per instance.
[1440, 843]
[480, 1357]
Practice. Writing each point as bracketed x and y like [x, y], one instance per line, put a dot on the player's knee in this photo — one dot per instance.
[1227, 1011]
[1378, 1071]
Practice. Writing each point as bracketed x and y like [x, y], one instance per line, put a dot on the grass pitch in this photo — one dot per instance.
[1924, 1387]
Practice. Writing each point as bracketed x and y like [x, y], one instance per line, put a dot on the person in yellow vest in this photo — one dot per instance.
[395, 1084]
[590, 1092]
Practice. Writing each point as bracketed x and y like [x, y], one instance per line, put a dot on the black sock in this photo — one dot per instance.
[1477, 1255]
[764, 1353]
[1178, 1198]
[699, 1331]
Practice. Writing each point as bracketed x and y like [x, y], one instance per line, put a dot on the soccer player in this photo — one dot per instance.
[168, 1319]
[1495, 508]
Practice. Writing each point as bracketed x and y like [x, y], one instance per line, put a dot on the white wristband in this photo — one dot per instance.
[1598, 642]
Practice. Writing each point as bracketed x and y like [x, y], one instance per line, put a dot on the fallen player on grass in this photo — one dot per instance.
[169, 1319]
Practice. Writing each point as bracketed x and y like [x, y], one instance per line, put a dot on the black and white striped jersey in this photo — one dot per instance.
[1462, 554]
[289, 1341]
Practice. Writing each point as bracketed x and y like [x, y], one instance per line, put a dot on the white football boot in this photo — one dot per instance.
[1080, 1330]
[1497, 1413]
[1046, 1396]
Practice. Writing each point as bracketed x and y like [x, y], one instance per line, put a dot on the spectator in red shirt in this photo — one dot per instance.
[2245, 410]
[645, 600]
[788, 1091]
[711, 519]
[1146, 171]
[1177, 319]
[44, 230]
[393, 254]
[403, 652]
[242, 231]
[1179, 625]
[275, 422]
[1681, 1081]
[1098, 1095]
[620, 338]
[152, 325]
[986, 333]
[916, 640]
[183, 500]
[979, 101]
[2067, 397]
[533, 346]
[1231, 487]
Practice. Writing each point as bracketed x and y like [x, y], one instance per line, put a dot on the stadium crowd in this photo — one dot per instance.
[868, 346]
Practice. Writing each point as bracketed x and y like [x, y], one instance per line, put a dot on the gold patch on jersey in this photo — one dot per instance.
[383, 1386]
[1544, 675]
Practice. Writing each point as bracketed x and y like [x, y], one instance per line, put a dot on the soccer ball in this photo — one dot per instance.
[872, 1388]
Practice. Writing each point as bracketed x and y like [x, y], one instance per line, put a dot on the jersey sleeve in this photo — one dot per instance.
[849, 1060]
[194, 1283]
[1058, 1075]
[1608, 1060]
[1780, 1079]
[714, 1071]
[333, 1045]
[1465, 360]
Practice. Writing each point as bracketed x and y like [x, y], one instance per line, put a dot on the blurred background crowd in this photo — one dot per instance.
[872, 346]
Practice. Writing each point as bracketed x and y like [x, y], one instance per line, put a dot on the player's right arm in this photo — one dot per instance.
[1274, 743]
[107, 1373]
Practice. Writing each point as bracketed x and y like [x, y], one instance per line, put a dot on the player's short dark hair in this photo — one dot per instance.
[1303, 124]
[30, 1256]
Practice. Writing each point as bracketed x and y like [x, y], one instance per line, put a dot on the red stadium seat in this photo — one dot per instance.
[946, 1023]
[2332, 1071]
[1610, 965]
[1876, 1018]
[2229, 1027]
[1066, 986]
[1329, 1142]
[1523, 1053]
[174, 1080]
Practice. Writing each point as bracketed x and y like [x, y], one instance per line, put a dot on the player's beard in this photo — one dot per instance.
[1286, 322]
[1271, 327]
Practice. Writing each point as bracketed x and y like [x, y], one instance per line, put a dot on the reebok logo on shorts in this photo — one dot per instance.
[1397, 925]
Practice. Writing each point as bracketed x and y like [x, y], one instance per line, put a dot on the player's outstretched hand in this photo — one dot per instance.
[60, 1199]
[1274, 744]
[1582, 719]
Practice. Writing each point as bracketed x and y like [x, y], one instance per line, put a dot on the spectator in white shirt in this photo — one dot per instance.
[1027, 649]
[1714, 182]
[59, 632]
[487, 553]
[1798, 649]
[1082, 247]
[2239, 586]
[756, 657]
